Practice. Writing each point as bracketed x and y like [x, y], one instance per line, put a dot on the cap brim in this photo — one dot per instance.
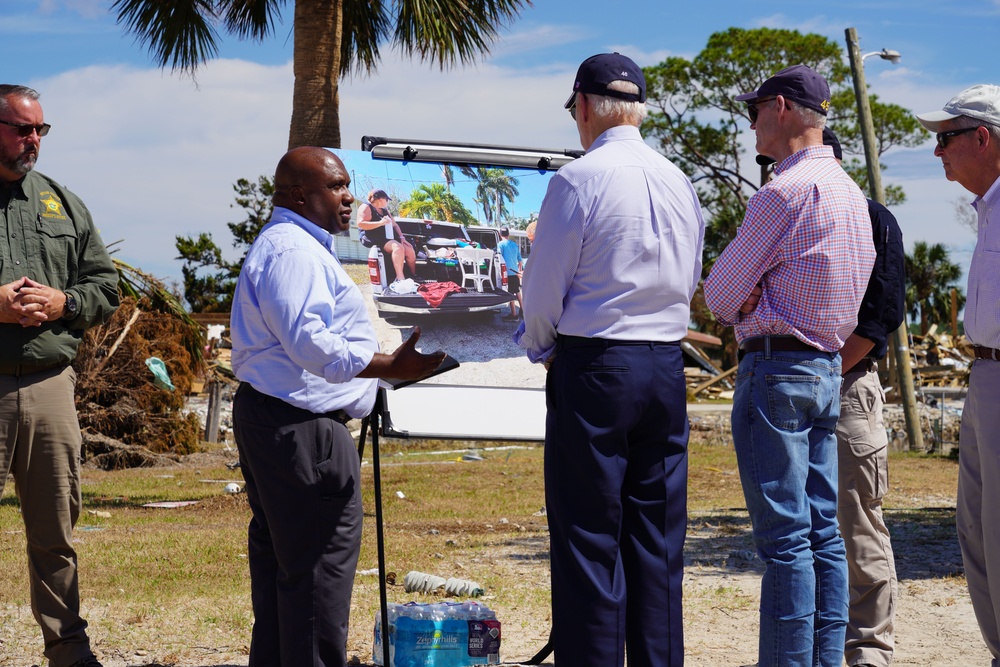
[747, 97]
[933, 120]
[569, 102]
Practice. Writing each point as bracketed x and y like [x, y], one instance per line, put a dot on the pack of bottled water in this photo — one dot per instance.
[441, 634]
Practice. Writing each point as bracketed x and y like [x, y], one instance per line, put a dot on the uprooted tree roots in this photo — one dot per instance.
[116, 397]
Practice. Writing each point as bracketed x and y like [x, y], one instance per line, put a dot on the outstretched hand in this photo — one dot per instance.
[405, 363]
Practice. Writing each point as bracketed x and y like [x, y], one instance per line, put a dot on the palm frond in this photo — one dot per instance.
[452, 31]
[250, 19]
[135, 283]
[178, 33]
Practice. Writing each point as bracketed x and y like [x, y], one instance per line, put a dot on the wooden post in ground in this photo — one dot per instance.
[214, 411]
[954, 314]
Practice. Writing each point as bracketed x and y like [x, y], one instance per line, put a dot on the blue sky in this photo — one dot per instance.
[155, 154]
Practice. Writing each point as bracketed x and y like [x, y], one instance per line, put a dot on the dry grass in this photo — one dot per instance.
[173, 584]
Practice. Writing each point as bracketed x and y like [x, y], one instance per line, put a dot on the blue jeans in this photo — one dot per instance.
[785, 412]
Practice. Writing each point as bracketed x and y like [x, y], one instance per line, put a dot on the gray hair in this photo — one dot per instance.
[810, 117]
[620, 111]
[11, 90]
[963, 122]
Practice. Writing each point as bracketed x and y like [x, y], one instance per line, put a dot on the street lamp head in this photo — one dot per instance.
[884, 54]
[890, 55]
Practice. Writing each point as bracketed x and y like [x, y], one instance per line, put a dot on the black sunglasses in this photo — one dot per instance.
[944, 137]
[753, 107]
[572, 108]
[25, 129]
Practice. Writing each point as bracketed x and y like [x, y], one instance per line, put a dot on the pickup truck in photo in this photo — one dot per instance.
[445, 254]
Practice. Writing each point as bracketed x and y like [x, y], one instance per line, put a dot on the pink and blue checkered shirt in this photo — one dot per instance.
[807, 241]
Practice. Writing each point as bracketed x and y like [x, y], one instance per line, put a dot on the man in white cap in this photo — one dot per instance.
[968, 143]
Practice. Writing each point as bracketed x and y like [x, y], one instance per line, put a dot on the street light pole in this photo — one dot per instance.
[900, 337]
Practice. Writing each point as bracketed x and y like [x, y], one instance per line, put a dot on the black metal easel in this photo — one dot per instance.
[371, 422]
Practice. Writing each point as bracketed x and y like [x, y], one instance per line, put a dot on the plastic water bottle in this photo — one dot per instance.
[446, 634]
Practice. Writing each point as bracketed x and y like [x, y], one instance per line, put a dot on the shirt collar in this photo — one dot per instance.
[284, 215]
[813, 152]
[16, 188]
[992, 196]
[617, 133]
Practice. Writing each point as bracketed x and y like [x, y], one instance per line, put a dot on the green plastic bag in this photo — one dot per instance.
[160, 376]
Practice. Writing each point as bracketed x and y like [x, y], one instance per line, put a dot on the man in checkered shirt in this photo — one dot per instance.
[791, 283]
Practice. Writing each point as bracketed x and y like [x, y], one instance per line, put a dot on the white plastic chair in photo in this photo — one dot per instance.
[471, 261]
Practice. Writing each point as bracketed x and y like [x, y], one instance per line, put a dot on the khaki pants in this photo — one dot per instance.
[978, 510]
[40, 448]
[863, 479]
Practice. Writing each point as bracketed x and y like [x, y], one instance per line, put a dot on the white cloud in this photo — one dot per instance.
[484, 104]
[816, 24]
[153, 156]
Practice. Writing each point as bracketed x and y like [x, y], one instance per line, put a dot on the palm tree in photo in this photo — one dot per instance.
[930, 278]
[433, 201]
[332, 39]
[495, 188]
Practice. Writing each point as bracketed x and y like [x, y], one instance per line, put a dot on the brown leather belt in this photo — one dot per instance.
[865, 365]
[778, 344]
[18, 370]
[986, 353]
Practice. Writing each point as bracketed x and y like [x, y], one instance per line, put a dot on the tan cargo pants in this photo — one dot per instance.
[40, 448]
[863, 479]
[978, 508]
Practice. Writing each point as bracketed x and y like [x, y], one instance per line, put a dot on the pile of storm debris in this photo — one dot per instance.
[133, 376]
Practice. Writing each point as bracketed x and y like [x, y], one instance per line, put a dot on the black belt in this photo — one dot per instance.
[864, 366]
[986, 353]
[340, 416]
[777, 343]
[565, 340]
[18, 370]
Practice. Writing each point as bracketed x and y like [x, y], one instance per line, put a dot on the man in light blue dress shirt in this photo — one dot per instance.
[307, 358]
[607, 296]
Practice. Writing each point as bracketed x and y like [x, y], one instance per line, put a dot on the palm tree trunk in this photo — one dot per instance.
[315, 98]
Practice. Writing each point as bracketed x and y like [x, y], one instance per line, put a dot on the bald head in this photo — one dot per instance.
[313, 183]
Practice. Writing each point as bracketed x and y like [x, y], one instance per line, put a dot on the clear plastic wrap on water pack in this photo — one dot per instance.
[442, 634]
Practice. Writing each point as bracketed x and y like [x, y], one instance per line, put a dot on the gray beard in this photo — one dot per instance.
[21, 164]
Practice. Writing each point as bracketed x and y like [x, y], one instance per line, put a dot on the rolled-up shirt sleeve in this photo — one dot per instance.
[743, 263]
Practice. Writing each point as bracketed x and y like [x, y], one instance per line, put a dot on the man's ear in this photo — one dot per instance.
[297, 194]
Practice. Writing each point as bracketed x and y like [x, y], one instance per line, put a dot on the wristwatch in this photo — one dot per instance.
[71, 308]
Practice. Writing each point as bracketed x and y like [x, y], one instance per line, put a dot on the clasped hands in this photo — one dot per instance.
[30, 303]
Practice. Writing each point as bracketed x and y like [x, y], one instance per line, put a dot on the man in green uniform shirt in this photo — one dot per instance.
[56, 280]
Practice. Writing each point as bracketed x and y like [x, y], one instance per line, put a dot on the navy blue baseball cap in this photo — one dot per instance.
[797, 83]
[596, 72]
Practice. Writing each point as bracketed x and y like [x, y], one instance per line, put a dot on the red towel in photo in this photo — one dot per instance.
[434, 293]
